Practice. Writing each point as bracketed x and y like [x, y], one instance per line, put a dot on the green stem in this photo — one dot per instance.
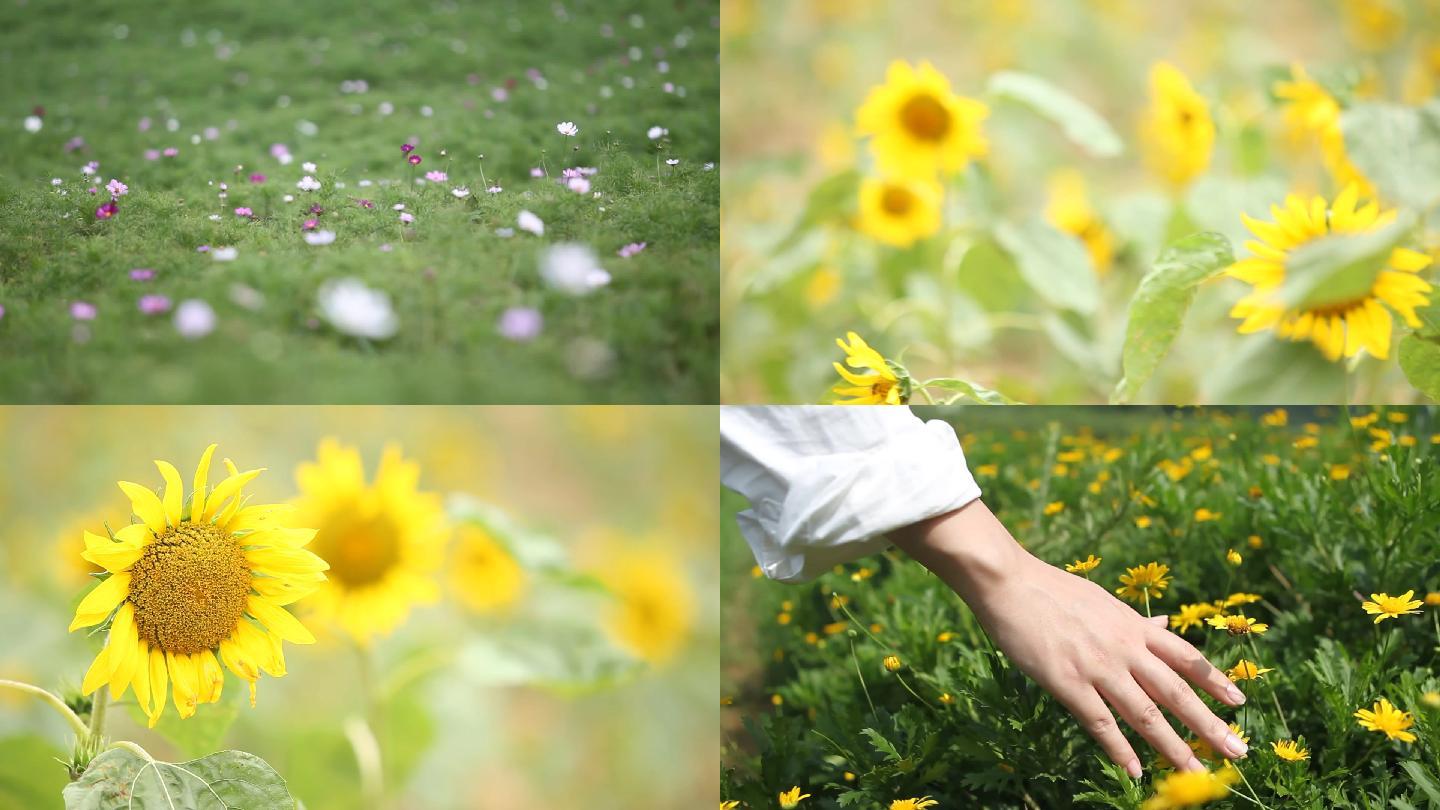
[97, 715]
[1273, 697]
[134, 749]
[861, 675]
[1254, 797]
[1147, 601]
[906, 684]
[76, 724]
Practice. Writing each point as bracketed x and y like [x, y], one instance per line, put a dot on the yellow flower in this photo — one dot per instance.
[1385, 606]
[1191, 788]
[945, 637]
[988, 470]
[1364, 421]
[1203, 750]
[1431, 699]
[1237, 625]
[1054, 508]
[1432, 598]
[1177, 130]
[914, 804]
[948, 698]
[1254, 541]
[384, 540]
[879, 386]
[892, 663]
[1306, 442]
[1339, 329]
[730, 805]
[1311, 113]
[1276, 418]
[823, 286]
[1069, 210]
[1290, 751]
[899, 212]
[918, 126]
[1083, 566]
[1240, 599]
[1388, 720]
[1188, 616]
[790, 799]
[1233, 557]
[654, 603]
[1397, 417]
[483, 574]
[1144, 581]
[1203, 515]
[1271, 460]
[194, 583]
[1339, 472]
[1143, 522]
[1247, 671]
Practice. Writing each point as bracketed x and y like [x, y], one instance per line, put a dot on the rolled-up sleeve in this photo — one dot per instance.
[826, 483]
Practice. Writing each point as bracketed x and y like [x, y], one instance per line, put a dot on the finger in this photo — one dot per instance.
[1182, 657]
[1136, 708]
[1158, 621]
[1171, 691]
[1095, 717]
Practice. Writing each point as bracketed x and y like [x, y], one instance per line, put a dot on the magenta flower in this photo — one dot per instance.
[316, 209]
[2, 311]
[107, 210]
[406, 148]
[310, 224]
[142, 274]
[257, 178]
[74, 144]
[242, 211]
[630, 249]
[414, 160]
[170, 151]
[365, 203]
[520, 323]
[203, 249]
[83, 311]
[154, 304]
[117, 188]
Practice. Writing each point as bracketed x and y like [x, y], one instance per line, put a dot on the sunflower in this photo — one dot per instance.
[899, 212]
[483, 573]
[1310, 112]
[1290, 751]
[1388, 720]
[189, 582]
[1177, 130]
[1338, 329]
[1144, 582]
[1069, 209]
[1193, 615]
[384, 540]
[1386, 606]
[1191, 788]
[880, 386]
[918, 126]
[654, 605]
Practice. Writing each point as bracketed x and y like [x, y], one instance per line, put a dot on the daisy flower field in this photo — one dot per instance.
[490, 202]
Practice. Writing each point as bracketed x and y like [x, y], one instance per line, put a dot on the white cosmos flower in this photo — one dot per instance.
[355, 309]
[225, 254]
[320, 237]
[308, 183]
[567, 128]
[529, 222]
[461, 192]
[33, 123]
[194, 318]
[572, 269]
[308, 167]
[655, 133]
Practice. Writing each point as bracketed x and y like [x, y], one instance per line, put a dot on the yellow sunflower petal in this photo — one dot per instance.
[202, 480]
[99, 602]
[174, 492]
[227, 489]
[211, 677]
[140, 680]
[124, 644]
[184, 683]
[110, 555]
[279, 621]
[98, 673]
[145, 505]
[158, 682]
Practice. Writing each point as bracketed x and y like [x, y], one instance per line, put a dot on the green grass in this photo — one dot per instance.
[449, 276]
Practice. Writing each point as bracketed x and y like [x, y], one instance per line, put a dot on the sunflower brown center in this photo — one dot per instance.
[925, 118]
[361, 550]
[897, 201]
[189, 588]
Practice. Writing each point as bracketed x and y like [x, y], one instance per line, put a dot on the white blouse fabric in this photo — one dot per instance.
[827, 482]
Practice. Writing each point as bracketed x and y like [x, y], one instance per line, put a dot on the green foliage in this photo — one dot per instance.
[1131, 482]
[1054, 264]
[1398, 149]
[31, 773]
[1420, 358]
[1160, 304]
[1339, 269]
[1076, 119]
[120, 778]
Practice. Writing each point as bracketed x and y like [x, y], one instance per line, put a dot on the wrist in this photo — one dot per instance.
[968, 548]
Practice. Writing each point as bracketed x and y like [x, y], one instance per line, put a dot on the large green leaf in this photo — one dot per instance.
[829, 200]
[1340, 268]
[1160, 304]
[1398, 149]
[227, 780]
[1420, 360]
[970, 392]
[1075, 118]
[1054, 264]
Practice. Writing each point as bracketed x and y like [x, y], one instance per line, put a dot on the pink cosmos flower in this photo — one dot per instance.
[2, 311]
[436, 177]
[317, 209]
[257, 178]
[242, 211]
[152, 154]
[278, 149]
[142, 274]
[520, 323]
[74, 144]
[414, 160]
[117, 188]
[107, 210]
[154, 304]
[579, 185]
[406, 217]
[406, 148]
[630, 249]
[310, 224]
[536, 171]
[83, 311]
[170, 151]
[365, 203]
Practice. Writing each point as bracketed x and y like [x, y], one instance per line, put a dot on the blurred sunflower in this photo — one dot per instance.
[483, 574]
[384, 541]
[918, 126]
[1311, 112]
[1339, 329]
[654, 603]
[1069, 209]
[1177, 130]
[880, 386]
[899, 212]
[186, 583]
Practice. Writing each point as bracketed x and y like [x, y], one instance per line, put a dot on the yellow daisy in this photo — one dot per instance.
[918, 127]
[880, 386]
[899, 212]
[384, 540]
[1237, 625]
[483, 574]
[790, 799]
[1069, 209]
[1204, 752]
[1084, 566]
[1143, 582]
[1341, 329]
[921, 803]
[1247, 671]
[1177, 130]
[1388, 720]
[1240, 599]
[1385, 606]
[193, 584]
[654, 607]
[1188, 616]
[1233, 557]
[892, 663]
[1290, 751]
[1191, 788]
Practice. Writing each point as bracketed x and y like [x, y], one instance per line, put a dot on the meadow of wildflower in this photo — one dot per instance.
[445, 202]
[373, 607]
[1119, 201]
[1296, 549]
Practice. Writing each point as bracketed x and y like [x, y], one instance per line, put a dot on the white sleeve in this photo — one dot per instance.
[827, 482]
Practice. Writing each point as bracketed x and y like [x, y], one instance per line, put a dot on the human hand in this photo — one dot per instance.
[1080, 643]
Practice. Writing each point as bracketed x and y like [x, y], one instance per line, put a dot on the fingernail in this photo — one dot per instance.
[1133, 769]
[1236, 696]
[1194, 765]
[1234, 746]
